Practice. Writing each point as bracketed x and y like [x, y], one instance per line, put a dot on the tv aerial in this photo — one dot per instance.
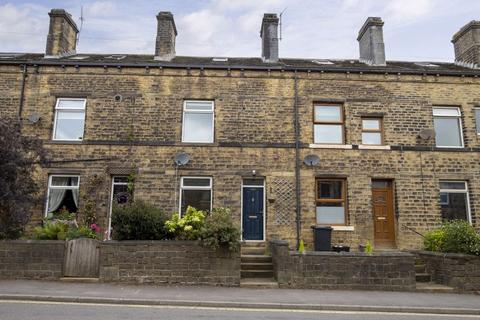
[427, 134]
[181, 159]
[311, 160]
[33, 118]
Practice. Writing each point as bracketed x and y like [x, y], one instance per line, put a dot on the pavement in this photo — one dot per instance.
[204, 296]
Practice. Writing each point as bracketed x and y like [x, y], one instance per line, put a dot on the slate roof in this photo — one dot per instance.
[327, 65]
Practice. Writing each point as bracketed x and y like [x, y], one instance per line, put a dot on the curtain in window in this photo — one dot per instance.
[75, 196]
[56, 195]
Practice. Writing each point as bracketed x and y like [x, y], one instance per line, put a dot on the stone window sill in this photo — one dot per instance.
[343, 228]
[330, 146]
[373, 147]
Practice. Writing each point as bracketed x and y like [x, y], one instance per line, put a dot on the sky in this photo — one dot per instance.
[414, 30]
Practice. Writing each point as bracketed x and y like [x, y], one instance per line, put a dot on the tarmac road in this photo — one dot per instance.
[38, 310]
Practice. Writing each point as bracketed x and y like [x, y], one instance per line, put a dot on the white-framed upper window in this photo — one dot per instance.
[69, 121]
[448, 127]
[477, 119]
[454, 200]
[62, 195]
[198, 121]
[328, 124]
[195, 192]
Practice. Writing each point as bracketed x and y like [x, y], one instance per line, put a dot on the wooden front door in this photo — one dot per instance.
[383, 213]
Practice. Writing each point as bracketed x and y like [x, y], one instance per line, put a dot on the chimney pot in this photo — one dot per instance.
[269, 35]
[370, 39]
[166, 33]
[62, 34]
[466, 43]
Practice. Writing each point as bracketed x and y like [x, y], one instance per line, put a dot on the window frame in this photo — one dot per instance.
[457, 117]
[327, 200]
[341, 122]
[185, 111]
[58, 108]
[476, 112]
[182, 187]
[49, 185]
[463, 191]
[113, 184]
[380, 130]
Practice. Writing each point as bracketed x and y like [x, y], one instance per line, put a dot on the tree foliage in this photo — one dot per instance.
[19, 156]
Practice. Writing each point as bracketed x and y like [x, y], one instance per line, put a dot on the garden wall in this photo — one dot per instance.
[461, 271]
[168, 262]
[394, 271]
[31, 259]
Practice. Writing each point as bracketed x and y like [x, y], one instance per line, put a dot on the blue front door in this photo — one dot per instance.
[252, 213]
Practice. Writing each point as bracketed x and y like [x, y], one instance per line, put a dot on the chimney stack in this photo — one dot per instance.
[370, 39]
[62, 34]
[166, 33]
[466, 43]
[269, 35]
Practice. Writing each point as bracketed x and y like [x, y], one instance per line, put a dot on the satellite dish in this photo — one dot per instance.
[311, 160]
[33, 118]
[181, 159]
[427, 134]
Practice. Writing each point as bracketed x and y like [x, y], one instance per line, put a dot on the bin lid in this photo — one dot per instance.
[321, 227]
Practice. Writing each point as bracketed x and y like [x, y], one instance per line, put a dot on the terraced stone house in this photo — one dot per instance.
[377, 149]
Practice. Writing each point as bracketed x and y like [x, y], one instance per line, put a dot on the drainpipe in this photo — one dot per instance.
[22, 94]
[297, 158]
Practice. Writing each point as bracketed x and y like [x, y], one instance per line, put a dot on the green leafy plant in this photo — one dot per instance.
[62, 214]
[457, 236]
[220, 230]
[81, 232]
[189, 227]
[51, 231]
[433, 240]
[138, 220]
[368, 247]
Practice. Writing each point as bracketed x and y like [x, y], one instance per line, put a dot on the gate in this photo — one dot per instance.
[82, 258]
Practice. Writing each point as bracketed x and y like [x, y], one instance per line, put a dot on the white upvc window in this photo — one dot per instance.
[196, 192]
[448, 127]
[454, 200]
[121, 194]
[62, 195]
[198, 121]
[69, 121]
[477, 119]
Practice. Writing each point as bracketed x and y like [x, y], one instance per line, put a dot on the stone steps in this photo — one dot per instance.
[79, 279]
[431, 287]
[256, 267]
[256, 283]
[423, 277]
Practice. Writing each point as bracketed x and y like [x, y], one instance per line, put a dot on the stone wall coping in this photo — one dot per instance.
[31, 241]
[278, 242]
[152, 242]
[352, 254]
[449, 255]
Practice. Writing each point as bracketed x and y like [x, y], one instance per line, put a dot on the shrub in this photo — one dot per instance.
[138, 221]
[220, 231]
[81, 232]
[19, 192]
[51, 231]
[433, 240]
[189, 227]
[455, 236]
